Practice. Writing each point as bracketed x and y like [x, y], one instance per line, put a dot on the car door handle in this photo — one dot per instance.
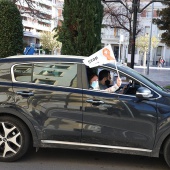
[94, 101]
[25, 93]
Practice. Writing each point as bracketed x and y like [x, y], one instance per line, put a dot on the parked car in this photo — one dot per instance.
[45, 101]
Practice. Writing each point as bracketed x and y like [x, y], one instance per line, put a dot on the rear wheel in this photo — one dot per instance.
[14, 139]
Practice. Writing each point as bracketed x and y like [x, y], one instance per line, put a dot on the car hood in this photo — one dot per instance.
[166, 94]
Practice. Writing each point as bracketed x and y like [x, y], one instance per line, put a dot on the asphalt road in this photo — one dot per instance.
[58, 159]
[158, 75]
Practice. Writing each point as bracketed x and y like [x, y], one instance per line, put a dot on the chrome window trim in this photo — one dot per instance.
[13, 78]
[102, 91]
[95, 145]
[12, 72]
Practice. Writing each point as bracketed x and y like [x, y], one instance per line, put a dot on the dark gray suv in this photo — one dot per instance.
[45, 101]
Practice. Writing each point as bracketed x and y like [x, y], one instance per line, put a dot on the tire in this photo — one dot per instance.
[166, 152]
[14, 139]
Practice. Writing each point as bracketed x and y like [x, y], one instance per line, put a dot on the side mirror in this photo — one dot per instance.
[143, 93]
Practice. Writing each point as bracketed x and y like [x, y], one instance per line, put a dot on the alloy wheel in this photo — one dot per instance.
[10, 140]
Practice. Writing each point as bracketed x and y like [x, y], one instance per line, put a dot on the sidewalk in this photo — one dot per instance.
[159, 75]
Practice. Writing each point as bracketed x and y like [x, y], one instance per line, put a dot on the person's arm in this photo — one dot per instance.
[112, 88]
[115, 87]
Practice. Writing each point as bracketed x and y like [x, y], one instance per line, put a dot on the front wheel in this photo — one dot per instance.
[166, 152]
[14, 139]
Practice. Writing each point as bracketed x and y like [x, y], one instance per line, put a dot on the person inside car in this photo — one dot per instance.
[95, 84]
[93, 81]
[105, 81]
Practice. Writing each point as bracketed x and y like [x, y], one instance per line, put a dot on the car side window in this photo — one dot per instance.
[128, 85]
[23, 72]
[93, 75]
[58, 74]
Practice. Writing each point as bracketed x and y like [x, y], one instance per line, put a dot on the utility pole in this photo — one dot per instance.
[149, 48]
[135, 6]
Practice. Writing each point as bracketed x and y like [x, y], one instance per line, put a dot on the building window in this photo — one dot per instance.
[149, 14]
[116, 32]
[147, 30]
[159, 51]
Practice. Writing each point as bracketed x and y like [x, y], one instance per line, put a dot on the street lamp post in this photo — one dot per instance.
[134, 9]
[121, 39]
[149, 48]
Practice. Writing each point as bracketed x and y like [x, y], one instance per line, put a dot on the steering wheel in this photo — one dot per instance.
[119, 89]
[127, 88]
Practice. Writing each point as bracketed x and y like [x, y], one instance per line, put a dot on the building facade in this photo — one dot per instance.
[51, 14]
[119, 39]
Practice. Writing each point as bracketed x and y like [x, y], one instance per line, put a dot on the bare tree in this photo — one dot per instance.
[120, 17]
[30, 7]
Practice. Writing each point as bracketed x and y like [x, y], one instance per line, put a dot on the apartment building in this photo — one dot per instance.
[119, 39]
[51, 12]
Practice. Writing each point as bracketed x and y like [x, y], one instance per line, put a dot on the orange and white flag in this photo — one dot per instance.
[103, 56]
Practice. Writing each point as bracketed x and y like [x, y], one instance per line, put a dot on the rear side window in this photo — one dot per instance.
[23, 73]
[58, 74]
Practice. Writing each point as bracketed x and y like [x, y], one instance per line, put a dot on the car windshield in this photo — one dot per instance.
[156, 85]
[138, 76]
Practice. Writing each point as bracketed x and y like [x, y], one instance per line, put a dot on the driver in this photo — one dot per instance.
[105, 80]
[94, 84]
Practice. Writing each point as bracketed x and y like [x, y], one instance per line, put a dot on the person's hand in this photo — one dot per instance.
[119, 81]
[124, 88]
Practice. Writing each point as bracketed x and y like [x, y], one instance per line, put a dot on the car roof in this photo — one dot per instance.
[37, 58]
[44, 56]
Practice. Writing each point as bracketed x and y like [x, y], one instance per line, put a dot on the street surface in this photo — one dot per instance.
[58, 159]
[159, 75]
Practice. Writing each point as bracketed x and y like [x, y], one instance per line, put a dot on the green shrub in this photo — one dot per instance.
[167, 87]
[11, 29]
[80, 33]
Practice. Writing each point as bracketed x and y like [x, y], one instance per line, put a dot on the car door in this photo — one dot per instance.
[51, 95]
[118, 120]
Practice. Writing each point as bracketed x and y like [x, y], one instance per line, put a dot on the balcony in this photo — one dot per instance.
[58, 4]
[31, 34]
[36, 26]
[46, 2]
[43, 10]
[27, 24]
[42, 27]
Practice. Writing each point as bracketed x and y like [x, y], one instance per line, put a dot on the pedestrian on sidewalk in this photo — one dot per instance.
[163, 64]
[160, 62]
